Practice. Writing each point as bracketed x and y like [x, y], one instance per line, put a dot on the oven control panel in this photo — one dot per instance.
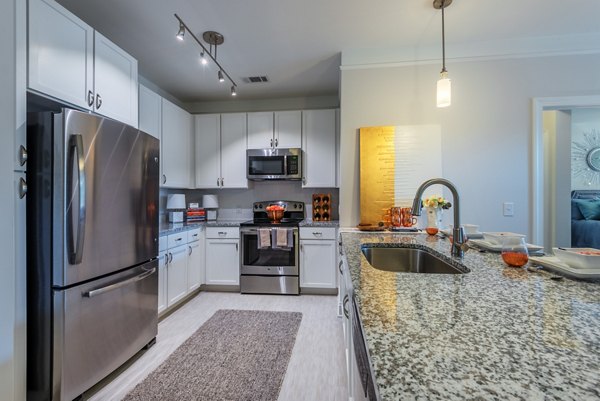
[288, 206]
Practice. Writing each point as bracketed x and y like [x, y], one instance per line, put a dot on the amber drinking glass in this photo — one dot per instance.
[514, 251]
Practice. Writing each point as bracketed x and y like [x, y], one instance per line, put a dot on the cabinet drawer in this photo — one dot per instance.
[177, 239]
[163, 243]
[317, 232]
[193, 235]
[222, 232]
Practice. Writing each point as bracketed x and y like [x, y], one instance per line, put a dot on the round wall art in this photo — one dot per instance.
[585, 159]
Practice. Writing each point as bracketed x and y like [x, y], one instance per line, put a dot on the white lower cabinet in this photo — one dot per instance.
[163, 260]
[180, 266]
[222, 256]
[318, 254]
[177, 274]
[195, 261]
[360, 383]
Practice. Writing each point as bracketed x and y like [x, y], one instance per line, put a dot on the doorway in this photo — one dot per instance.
[547, 180]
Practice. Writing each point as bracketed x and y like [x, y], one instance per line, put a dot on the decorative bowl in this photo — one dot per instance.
[275, 215]
[579, 258]
[496, 237]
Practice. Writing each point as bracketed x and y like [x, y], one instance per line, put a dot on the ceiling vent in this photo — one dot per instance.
[257, 79]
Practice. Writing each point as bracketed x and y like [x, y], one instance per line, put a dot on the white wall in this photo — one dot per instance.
[486, 133]
[557, 165]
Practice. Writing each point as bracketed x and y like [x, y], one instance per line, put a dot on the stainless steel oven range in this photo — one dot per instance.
[269, 259]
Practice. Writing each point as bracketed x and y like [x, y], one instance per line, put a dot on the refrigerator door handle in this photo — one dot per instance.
[76, 148]
[102, 290]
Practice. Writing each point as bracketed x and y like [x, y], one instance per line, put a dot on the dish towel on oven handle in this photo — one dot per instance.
[264, 238]
[283, 238]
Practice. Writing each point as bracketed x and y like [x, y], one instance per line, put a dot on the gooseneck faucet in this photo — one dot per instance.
[458, 232]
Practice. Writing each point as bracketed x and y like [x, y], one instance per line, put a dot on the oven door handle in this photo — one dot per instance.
[248, 230]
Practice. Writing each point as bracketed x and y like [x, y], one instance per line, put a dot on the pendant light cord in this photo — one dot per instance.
[443, 40]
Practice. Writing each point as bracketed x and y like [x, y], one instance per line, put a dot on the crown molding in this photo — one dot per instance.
[543, 46]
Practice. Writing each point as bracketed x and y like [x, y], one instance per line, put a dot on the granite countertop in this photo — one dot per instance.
[311, 223]
[224, 223]
[172, 228]
[496, 333]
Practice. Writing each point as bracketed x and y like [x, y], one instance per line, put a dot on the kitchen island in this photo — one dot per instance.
[495, 333]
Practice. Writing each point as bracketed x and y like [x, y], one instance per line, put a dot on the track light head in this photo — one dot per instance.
[220, 75]
[203, 59]
[181, 32]
[233, 92]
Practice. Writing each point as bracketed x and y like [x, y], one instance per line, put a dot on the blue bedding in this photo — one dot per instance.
[584, 233]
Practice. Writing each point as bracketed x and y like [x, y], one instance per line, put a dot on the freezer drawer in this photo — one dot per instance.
[100, 325]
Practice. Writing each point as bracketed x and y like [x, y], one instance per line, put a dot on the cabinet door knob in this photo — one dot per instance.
[22, 155]
[22, 188]
[236, 247]
[190, 251]
[164, 179]
[222, 181]
[340, 267]
[90, 98]
[217, 181]
[276, 142]
[271, 145]
[98, 101]
[317, 233]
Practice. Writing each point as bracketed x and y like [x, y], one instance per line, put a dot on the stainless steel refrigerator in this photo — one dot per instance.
[92, 246]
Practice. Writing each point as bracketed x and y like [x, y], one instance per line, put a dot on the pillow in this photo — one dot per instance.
[590, 208]
[575, 212]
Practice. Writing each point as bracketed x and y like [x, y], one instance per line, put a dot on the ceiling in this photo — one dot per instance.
[298, 44]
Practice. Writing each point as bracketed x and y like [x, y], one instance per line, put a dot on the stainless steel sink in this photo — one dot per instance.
[408, 260]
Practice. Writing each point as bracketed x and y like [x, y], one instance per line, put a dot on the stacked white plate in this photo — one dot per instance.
[582, 263]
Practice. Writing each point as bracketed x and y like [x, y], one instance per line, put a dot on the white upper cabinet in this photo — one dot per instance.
[233, 150]
[288, 129]
[115, 81]
[319, 146]
[260, 130]
[177, 160]
[150, 112]
[61, 54]
[208, 150]
[150, 116]
[280, 129]
[221, 150]
[72, 63]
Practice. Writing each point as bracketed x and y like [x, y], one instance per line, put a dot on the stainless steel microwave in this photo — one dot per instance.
[274, 164]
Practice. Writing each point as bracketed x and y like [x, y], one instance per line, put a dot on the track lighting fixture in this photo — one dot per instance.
[444, 86]
[213, 39]
[181, 32]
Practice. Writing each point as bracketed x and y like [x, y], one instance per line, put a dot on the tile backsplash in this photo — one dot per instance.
[236, 204]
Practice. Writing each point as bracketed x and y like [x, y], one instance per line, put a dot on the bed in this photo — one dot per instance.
[585, 227]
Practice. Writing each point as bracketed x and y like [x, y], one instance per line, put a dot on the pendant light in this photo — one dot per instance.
[444, 86]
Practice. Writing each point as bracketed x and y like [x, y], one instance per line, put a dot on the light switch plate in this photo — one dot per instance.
[508, 208]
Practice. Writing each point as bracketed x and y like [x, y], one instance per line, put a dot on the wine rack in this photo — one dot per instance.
[321, 207]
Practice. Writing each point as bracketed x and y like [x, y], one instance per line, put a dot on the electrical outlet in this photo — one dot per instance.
[508, 208]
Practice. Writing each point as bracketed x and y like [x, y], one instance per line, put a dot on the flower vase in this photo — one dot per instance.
[434, 220]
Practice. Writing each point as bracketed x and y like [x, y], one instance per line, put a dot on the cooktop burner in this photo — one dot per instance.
[293, 214]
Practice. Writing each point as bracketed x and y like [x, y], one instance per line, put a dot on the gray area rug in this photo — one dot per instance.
[236, 355]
